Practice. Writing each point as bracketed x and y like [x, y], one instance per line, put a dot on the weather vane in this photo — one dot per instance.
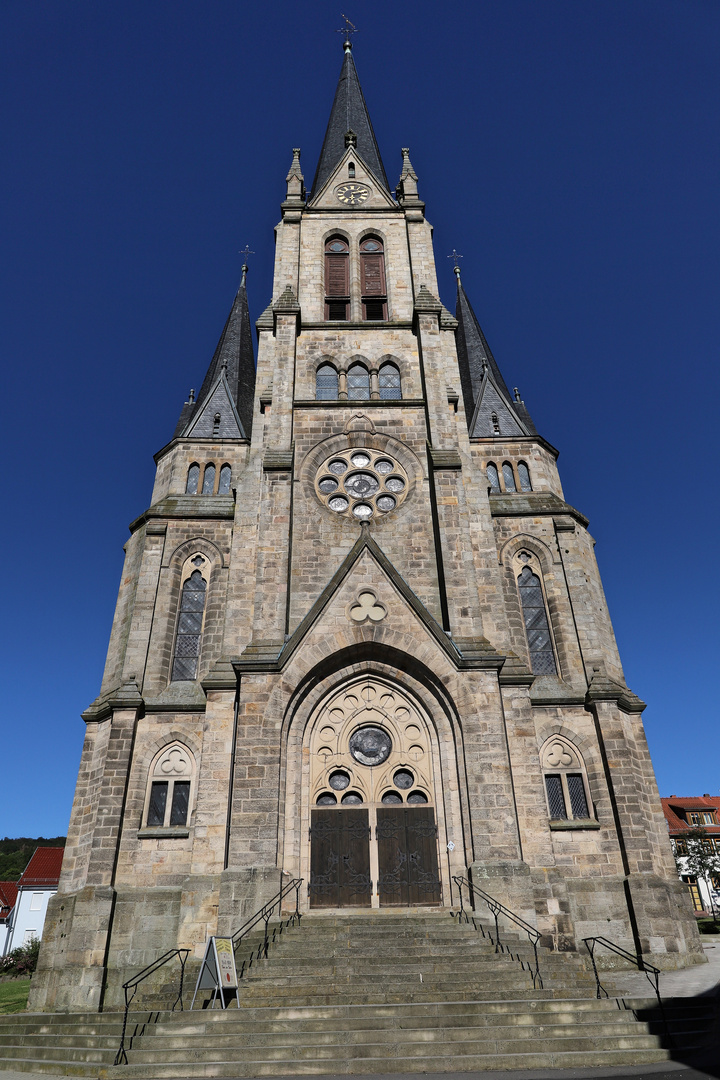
[349, 29]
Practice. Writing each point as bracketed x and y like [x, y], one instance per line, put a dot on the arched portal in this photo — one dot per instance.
[373, 820]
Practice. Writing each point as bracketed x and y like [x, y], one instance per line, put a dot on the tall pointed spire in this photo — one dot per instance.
[489, 407]
[349, 115]
[228, 388]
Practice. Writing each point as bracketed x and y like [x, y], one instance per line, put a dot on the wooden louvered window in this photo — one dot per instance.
[372, 280]
[337, 278]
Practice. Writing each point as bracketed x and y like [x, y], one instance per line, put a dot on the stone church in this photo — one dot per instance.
[361, 637]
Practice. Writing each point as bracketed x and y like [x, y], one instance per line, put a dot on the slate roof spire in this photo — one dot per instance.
[228, 389]
[349, 114]
[489, 407]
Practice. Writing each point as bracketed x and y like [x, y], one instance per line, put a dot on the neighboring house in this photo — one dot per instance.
[8, 896]
[38, 883]
[683, 815]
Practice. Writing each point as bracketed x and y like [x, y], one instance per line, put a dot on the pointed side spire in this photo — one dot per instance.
[231, 375]
[348, 116]
[489, 407]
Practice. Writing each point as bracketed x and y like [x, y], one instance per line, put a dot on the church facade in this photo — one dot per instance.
[361, 638]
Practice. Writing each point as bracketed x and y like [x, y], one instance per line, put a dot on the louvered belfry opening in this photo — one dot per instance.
[372, 280]
[337, 278]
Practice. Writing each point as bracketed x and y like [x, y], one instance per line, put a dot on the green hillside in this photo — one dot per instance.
[16, 854]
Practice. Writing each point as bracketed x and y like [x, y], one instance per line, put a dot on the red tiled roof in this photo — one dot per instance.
[8, 896]
[674, 806]
[43, 870]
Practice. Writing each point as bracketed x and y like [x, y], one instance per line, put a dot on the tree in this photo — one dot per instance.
[702, 859]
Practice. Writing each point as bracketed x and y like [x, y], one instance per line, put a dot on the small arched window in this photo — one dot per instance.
[351, 170]
[566, 786]
[193, 478]
[209, 480]
[189, 627]
[508, 477]
[524, 474]
[326, 383]
[337, 278]
[372, 279]
[537, 628]
[492, 475]
[358, 381]
[225, 480]
[390, 388]
[168, 799]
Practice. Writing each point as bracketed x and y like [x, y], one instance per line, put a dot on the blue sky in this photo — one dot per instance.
[569, 150]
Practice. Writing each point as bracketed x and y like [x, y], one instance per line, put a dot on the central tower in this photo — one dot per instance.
[361, 638]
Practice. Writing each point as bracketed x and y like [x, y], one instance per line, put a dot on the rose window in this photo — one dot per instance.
[361, 483]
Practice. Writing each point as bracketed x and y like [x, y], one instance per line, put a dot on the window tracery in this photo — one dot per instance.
[537, 626]
[168, 798]
[565, 776]
[188, 636]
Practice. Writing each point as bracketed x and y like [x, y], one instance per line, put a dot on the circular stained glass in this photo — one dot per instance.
[395, 483]
[417, 797]
[327, 485]
[339, 781]
[385, 502]
[362, 484]
[370, 745]
[391, 797]
[338, 467]
[326, 799]
[338, 503]
[384, 467]
[403, 779]
[363, 511]
[351, 799]
[360, 460]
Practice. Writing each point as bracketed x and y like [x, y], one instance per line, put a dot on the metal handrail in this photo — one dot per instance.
[652, 974]
[132, 985]
[498, 909]
[265, 913]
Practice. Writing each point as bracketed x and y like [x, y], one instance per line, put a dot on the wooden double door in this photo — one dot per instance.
[387, 852]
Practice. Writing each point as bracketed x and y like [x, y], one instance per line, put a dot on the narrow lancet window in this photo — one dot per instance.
[326, 383]
[358, 380]
[189, 631]
[492, 475]
[193, 478]
[337, 278]
[537, 627]
[524, 474]
[209, 480]
[372, 280]
[225, 480]
[390, 389]
[509, 477]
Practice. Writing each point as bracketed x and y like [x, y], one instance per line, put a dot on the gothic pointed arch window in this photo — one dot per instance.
[493, 478]
[537, 627]
[372, 280]
[337, 278]
[389, 380]
[193, 479]
[326, 383]
[524, 474]
[508, 476]
[225, 480]
[209, 479]
[170, 791]
[358, 383]
[188, 636]
[566, 784]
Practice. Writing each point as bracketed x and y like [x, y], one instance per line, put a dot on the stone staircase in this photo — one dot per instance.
[362, 993]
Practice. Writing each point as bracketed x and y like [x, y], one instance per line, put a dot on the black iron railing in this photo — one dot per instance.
[497, 909]
[264, 915]
[652, 974]
[130, 990]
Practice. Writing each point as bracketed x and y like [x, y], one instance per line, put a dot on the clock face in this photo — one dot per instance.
[352, 194]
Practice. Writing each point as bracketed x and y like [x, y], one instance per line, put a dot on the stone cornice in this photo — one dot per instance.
[188, 506]
[533, 504]
[353, 403]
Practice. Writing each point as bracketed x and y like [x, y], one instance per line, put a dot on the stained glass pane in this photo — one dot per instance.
[536, 623]
[524, 475]
[417, 797]
[508, 477]
[384, 467]
[190, 622]
[158, 799]
[493, 478]
[225, 479]
[403, 779]
[184, 668]
[193, 477]
[578, 801]
[385, 502]
[556, 799]
[326, 383]
[187, 641]
[326, 799]
[395, 483]
[339, 780]
[389, 383]
[358, 379]
[351, 799]
[209, 480]
[391, 797]
[327, 485]
[180, 801]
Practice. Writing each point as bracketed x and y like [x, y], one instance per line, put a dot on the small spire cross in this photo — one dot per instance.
[455, 258]
[348, 29]
[245, 252]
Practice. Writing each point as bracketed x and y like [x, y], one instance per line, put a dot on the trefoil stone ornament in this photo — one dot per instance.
[367, 608]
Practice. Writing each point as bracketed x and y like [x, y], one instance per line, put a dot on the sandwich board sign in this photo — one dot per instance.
[218, 972]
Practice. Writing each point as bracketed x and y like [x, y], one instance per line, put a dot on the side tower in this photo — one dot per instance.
[361, 638]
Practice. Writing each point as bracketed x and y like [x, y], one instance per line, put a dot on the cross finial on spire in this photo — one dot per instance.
[348, 29]
[456, 262]
[245, 252]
